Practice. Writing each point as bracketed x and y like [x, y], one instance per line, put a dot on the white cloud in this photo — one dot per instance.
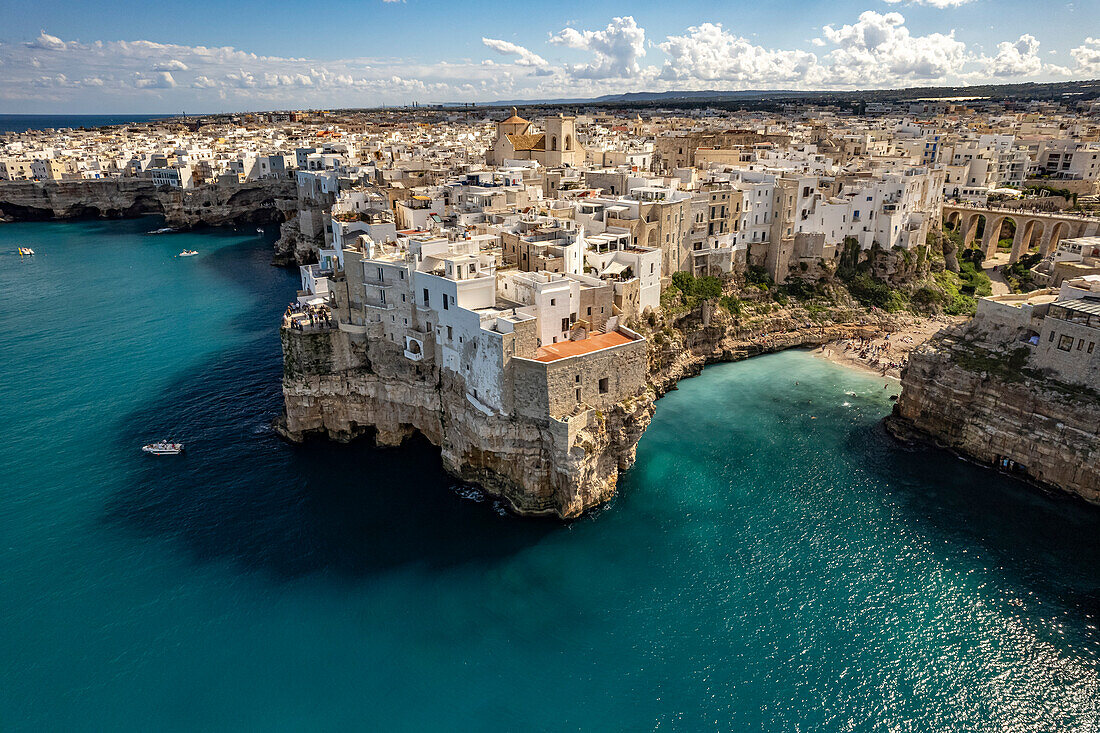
[615, 50]
[507, 48]
[710, 53]
[170, 65]
[48, 42]
[1087, 56]
[156, 80]
[878, 49]
[934, 3]
[1016, 59]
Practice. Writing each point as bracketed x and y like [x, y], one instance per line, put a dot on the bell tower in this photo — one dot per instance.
[561, 141]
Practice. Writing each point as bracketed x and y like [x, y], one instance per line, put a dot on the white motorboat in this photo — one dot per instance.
[259, 230]
[188, 253]
[162, 230]
[25, 251]
[163, 448]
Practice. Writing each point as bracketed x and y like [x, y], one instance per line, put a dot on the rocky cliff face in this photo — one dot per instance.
[680, 346]
[295, 248]
[248, 203]
[987, 406]
[343, 386]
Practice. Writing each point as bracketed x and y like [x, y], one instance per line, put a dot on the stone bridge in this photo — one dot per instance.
[1033, 228]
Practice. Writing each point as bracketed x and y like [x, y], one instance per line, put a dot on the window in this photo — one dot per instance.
[445, 302]
[450, 334]
[425, 296]
[1080, 344]
[603, 386]
[565, 324]
[1089, 349]
[1051, 336]
[578, 394]
[553, 301]
[1065, 343]
[589, 310]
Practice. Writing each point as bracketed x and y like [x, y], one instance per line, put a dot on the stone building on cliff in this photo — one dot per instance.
[526, 381]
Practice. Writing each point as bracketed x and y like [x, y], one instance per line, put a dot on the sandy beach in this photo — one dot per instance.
[887, 352]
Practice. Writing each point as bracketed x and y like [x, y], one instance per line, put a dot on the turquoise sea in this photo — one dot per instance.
[775, 562]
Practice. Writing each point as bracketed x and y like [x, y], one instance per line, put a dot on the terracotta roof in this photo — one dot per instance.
[565, 349]
[528, 142]
[515, 119]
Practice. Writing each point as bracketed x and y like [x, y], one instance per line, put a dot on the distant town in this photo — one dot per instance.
[521, 285]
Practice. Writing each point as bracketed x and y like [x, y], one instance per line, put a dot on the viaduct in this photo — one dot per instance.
[1033, 228]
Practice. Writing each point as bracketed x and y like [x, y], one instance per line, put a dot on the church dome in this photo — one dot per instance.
[515, 119]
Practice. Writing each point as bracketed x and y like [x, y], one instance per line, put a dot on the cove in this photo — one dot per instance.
[773, 561]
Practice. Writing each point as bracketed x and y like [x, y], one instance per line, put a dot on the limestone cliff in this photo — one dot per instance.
[681, 345]
[989, 406]
[294, 247]
[255, 202]
[343, 386]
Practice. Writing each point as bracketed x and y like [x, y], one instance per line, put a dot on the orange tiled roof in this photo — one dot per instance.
[565, 349]
[528, 142]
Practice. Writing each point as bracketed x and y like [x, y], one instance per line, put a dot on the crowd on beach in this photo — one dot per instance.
[299, 316]
[878, 352]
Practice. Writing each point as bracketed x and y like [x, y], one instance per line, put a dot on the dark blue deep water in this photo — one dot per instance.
[22, 123]
[774, 561]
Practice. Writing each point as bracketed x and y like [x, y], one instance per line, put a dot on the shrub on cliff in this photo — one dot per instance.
[686, 291]
[875, 293]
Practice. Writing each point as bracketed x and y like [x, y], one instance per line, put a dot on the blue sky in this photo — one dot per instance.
[129, 57]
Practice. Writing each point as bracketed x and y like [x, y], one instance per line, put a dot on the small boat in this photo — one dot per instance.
[163, 230]
[188, 253]
[25, 251]
[259, 230]
[163, 448]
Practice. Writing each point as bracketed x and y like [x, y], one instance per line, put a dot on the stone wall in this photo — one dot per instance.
[551, 387]
[343, 386]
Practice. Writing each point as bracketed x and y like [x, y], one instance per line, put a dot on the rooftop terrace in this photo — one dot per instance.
[566, 349]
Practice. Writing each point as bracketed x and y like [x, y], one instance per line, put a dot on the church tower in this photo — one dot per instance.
[561, 141]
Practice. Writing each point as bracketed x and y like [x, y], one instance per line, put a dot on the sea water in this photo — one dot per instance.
[774, 561]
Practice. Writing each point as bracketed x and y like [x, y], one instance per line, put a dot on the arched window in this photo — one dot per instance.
[553, 142]
[568, 142]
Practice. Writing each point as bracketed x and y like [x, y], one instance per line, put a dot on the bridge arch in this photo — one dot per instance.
[973, 227]
[1056, 232]
[1000, 226]
[1027, 236]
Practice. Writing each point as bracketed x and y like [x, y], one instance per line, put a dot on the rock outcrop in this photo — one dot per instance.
[341, 385]
[294, 247]
[255, 202]
[988, 406]
[680, 346]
